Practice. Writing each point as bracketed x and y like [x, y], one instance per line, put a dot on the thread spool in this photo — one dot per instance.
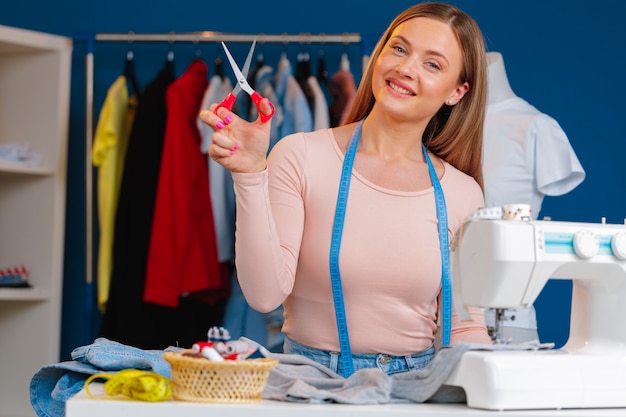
[236, 347]
[516, 212]
[211, 354]
[197, 347]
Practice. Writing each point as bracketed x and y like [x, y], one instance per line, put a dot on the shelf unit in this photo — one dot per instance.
[34, 111]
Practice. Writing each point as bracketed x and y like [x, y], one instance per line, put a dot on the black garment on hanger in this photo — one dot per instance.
[131, 77]
[322, 72]
[260, 63]
[127, 319]
[219, 67]
[303, 72]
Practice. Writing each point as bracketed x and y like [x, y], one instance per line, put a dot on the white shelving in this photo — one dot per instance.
[34, 112]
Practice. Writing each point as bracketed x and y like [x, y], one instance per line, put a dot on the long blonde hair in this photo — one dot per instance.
[455, 133]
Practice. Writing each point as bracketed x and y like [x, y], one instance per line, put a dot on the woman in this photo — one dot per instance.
[357, 208]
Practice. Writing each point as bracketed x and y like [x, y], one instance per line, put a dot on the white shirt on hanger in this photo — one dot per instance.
[321, 118]
[220, 180]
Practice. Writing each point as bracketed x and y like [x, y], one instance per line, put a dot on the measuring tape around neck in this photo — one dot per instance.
[442, 225]
[335, 245]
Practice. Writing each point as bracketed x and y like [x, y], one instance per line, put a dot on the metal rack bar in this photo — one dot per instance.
[208, 36]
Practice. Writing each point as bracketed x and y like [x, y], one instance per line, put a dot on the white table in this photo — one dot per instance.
[81, 405]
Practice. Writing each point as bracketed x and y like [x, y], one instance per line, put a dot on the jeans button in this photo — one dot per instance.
[385, 359]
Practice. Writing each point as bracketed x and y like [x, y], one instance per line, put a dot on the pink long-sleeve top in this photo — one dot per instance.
[390, 261]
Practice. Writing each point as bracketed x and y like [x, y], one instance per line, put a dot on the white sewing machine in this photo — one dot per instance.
[499, 263]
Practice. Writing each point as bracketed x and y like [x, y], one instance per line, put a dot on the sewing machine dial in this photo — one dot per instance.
[586, 244]
[618, 245]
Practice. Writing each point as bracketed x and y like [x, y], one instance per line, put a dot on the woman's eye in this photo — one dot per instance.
[433, 65]
[399, 49]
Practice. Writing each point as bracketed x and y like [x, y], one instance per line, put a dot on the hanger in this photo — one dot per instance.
[305, 63]
[303, 72]
[129, 69]
[345, 62]
[260, 60]
[196, 43]
[170, 52]
[283, 53]
[303, 67]
[322, 72]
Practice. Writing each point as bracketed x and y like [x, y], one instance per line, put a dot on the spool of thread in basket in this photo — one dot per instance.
[235, 350]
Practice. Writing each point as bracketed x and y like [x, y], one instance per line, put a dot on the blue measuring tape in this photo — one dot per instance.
[335, 245]
[442, 225]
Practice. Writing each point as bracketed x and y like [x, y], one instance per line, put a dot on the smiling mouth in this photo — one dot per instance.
[399, 89]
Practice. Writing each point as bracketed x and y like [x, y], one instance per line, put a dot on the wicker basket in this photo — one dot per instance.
[199, 379]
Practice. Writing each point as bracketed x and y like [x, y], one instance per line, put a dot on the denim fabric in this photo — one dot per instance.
[387, 363]
[113, 356]
[54, 384]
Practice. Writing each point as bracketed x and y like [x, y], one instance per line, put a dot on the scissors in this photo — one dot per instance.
[242, 84]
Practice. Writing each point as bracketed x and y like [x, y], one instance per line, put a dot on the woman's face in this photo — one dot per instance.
[418, 70]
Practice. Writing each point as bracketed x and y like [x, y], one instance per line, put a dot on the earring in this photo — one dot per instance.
[449, 102]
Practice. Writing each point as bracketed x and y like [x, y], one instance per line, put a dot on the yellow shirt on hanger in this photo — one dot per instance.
[109, 148]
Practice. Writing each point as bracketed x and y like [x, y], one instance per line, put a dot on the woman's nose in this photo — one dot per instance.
[406, 68]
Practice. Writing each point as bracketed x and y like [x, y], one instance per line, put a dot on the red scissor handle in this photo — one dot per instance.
[227, 103]
[256, 99]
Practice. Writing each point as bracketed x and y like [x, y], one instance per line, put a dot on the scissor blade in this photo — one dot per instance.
[240, 78]
[232, 62]
[246, 65]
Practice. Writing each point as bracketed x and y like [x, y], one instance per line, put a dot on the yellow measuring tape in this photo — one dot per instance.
[134, 383]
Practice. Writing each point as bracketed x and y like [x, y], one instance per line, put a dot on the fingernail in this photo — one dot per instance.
[231, 152]
[228, 119]
[236, 146]
[219, 125]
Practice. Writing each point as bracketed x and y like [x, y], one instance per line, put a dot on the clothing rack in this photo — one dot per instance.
[171, 37]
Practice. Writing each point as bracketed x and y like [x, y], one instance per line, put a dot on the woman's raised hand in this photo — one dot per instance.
[238, 145]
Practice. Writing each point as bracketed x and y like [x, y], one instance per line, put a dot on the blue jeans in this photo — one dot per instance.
[387, 363]
[55, 383]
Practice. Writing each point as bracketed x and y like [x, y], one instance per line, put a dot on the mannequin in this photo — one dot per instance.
[499, 88]
[526, 156]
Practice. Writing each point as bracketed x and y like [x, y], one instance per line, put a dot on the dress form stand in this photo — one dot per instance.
[498, 88]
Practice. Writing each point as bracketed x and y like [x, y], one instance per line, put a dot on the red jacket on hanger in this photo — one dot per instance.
[183, 254]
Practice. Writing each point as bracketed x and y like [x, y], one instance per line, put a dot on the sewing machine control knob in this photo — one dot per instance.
[618, 245]
[586, 244]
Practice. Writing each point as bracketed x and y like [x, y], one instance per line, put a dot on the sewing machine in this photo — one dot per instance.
[504, 262]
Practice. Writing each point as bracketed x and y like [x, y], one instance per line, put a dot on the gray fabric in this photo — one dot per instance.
[299, 379]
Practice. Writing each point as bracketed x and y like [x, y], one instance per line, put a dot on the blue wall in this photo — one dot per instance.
[565, 58]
